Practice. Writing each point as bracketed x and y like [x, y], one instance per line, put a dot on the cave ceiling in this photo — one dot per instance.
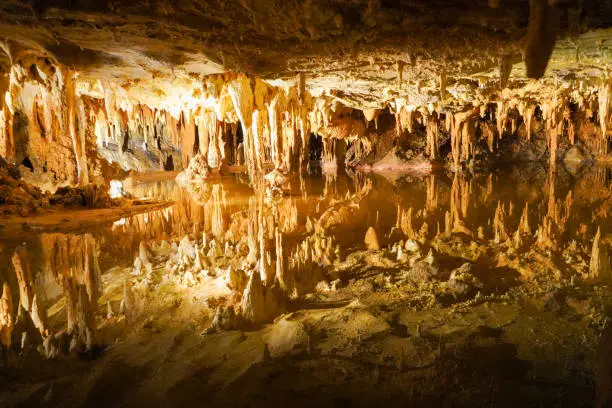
[363, 53]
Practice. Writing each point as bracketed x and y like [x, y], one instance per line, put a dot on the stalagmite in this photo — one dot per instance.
[523, 227]
[371, 240]
[253, 300]
[600, 266]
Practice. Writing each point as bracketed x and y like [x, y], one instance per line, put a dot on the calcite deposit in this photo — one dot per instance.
[303, 203]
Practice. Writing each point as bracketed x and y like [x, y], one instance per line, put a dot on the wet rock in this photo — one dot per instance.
[50, 348]
[90, 196]
[412, 246]
[288, 337]
[197, 170]
[277, 183]
[462, 282]
[421, 271]
[574, 155]
[340, 216]
[225, 319]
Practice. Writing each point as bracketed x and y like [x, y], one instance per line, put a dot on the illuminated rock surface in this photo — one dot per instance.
[258, 203]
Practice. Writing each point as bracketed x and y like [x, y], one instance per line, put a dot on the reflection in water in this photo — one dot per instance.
[245, 258]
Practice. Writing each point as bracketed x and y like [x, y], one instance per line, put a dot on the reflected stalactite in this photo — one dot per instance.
[499, 224]
[600, 266]
[21, 266]
[432, 193]
[7, 320]
[459, 204]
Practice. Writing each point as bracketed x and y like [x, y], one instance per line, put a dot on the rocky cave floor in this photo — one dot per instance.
[446, 305]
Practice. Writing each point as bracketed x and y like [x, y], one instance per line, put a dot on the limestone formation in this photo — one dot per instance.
[7, 322]
[371, 240]
[465, 139]
[600, 266]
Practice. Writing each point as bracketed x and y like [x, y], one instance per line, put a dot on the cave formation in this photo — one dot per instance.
[400, 202]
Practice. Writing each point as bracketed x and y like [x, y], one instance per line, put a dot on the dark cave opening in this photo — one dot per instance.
[28, 163]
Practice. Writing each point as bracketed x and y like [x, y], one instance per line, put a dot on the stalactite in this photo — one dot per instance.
[552, 112]
[544, 19]
[443, 83]
[242, 97]
[505, 68]
[301, 81]
[467, 140]
[432, 136]
[527, 111]
[274, 108]
[371, 115]
[605, 106]
[71, 118]
[462, 130]
[400, 73]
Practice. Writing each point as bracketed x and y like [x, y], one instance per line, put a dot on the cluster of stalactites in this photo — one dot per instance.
[45, 94]
[276, 122]
[463, 125]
